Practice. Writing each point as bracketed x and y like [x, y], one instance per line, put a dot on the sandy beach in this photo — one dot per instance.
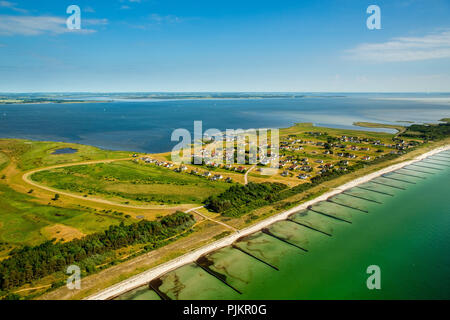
[147, 276]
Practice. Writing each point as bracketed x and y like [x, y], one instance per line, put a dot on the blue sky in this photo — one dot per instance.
[167, 45]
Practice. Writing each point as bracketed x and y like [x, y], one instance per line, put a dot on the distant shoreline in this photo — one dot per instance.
[51, 102]
[163, 98]
[424, 100]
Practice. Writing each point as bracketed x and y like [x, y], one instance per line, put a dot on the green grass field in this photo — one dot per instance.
[22, 220]
[301, 128]
[131, 181]
[37, 154]
[3, 161]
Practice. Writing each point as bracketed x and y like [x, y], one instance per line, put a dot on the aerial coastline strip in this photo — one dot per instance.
[147, 276]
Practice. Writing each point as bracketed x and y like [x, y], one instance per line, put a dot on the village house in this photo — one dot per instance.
[217, 177]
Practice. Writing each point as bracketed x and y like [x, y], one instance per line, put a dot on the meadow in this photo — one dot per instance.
[26, 217]
[36, 154]
[3, 161]
[23, 221]
[130, 181]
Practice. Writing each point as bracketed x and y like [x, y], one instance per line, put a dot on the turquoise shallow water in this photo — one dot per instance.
[402, 226]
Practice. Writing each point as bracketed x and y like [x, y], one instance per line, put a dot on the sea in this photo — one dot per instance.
[146, 125]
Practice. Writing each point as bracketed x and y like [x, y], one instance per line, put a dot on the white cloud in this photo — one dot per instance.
[37, 25]
[156, 18]
[403, 49]
[88, 10]
[12, 6]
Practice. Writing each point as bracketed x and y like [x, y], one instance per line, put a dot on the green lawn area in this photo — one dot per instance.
[131, 181]
[22, 219]
[301, 128]
[3, 161]
[37, 154]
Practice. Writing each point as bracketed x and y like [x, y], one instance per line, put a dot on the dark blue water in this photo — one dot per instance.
[65, 151]
[147, 126]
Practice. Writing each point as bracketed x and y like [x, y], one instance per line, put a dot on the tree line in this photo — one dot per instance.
[428, 132]
[35, 262]
[233, 201]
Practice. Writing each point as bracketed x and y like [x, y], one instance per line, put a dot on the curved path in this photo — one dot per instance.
[211, 219]
[246, 174]
[27, 178]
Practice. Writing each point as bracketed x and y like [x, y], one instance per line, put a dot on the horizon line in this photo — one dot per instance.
[204, 92]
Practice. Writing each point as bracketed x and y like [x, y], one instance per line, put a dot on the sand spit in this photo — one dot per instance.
[145, 277]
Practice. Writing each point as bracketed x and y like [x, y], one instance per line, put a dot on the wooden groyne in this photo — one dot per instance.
[416, 165]
[438, 164]
[409, 175]
[401, 180]
[417, 171]
[376, 191]
[328, 215]
[359, 197]
[267, 231]
[204, 263]
[254, 257]
[154, 285]
[309, 227]
[346, 206]
[388, 185]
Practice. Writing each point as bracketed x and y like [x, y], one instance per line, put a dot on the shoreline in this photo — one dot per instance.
[146, 276]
